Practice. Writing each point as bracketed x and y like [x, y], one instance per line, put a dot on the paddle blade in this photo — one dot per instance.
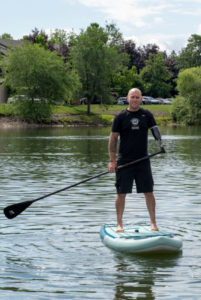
[14, 210]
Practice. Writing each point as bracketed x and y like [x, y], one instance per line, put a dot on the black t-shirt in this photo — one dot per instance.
[133, 129]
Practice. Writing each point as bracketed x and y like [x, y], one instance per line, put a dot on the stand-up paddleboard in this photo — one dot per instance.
[139, 238]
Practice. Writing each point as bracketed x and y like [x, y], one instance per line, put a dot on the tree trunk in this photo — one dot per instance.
[88, 106]
[3, 94]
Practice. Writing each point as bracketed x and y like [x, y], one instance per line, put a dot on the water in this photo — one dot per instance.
[53, 250]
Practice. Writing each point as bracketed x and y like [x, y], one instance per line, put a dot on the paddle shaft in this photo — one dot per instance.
[12, 211]
[99, 175]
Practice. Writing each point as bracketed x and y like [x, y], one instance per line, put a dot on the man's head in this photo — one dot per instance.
[134, 99]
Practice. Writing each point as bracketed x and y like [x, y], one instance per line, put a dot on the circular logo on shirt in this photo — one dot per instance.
[135, 121]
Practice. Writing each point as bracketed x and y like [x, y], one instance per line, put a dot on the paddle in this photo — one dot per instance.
[14, 210]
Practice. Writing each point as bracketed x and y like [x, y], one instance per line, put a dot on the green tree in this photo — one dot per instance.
[190, 56]
[59, 41]
[37, 37]
[59, 37]
[155, 76]
[7, 36]
[38, 73]
[187, 107]
[94, 54]
[125, 80]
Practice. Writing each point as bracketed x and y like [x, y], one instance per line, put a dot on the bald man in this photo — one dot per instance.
[132, 125]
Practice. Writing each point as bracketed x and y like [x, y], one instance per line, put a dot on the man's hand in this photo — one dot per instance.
[112, 166]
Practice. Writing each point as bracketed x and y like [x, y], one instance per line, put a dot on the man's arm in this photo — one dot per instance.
[157, 135]
[112, 148]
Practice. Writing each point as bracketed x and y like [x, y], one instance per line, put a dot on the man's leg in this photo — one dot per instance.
[151, 204]
[120, 205]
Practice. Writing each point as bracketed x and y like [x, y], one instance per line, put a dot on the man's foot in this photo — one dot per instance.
[154, 227]
[119, 229]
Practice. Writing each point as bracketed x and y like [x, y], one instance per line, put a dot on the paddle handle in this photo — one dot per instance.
[141, 159]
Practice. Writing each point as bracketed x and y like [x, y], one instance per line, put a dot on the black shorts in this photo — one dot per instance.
[142, 175]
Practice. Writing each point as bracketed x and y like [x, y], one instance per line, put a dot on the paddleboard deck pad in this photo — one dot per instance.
[139, 238]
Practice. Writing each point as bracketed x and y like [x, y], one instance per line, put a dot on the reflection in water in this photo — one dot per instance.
[53, 250]
[137, 274]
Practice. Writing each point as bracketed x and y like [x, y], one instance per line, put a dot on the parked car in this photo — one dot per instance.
[122, 101]
[156, 101]
[147, 100]
[166, 101]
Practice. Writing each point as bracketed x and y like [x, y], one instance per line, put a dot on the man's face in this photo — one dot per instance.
[134, 99]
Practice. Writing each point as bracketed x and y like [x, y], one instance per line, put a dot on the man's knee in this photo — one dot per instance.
[121, 196]
[149, 195]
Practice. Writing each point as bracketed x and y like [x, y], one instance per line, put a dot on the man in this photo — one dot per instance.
[132, 126]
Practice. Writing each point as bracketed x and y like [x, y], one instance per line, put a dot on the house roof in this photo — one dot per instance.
[7, 43]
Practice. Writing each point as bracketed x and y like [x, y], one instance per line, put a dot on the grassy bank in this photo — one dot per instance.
[100, 114]
[104, 114]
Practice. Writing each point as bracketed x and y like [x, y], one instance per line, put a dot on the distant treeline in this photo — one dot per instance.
[97, 64]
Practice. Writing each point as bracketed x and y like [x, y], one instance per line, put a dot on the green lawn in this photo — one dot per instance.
[106, 109]
[100, 114]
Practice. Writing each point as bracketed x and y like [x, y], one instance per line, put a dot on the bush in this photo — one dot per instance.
[187, 107]
[179, 110]
[30, 111]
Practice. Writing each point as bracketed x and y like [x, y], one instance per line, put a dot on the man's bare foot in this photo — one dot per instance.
[154, 227]
[119, 229]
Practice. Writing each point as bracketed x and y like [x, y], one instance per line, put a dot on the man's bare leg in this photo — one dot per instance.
[151, 205]
[120, 205]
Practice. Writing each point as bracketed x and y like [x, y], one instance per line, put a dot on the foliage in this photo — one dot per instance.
[107, 119]
[7, 36]
[37, 112]
[38, 73]
[138, 55]
[190, 56]
[155, 76]
[187, 107]
[37, 37]
[125, 80]
[59, 37]
[59, 41]
[179, 112]
[6, 109]
[94, 54]
[171, 63]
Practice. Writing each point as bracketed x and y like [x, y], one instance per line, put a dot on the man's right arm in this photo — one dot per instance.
[112, 148]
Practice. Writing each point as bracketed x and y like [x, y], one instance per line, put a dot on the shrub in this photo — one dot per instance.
[32, 111]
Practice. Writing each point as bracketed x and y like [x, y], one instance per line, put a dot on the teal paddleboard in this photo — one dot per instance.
[139, 238]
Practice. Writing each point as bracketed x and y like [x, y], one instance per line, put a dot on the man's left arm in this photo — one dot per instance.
[157, 135]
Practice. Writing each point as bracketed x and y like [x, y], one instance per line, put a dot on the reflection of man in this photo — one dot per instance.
[132, 126]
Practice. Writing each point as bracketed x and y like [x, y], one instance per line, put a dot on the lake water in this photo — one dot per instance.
[53, 250]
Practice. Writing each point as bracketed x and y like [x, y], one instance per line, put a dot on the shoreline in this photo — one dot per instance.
[9, 122]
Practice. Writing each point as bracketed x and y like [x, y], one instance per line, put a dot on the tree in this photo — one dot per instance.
[155, 76]
[38, 73]
[125, 80]
[59, 41]
[190, 56]
[171, 63]
[7, 36]
[135, 55]
[187, 107]
[138, 55]
[37, 37]
[94, 54]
